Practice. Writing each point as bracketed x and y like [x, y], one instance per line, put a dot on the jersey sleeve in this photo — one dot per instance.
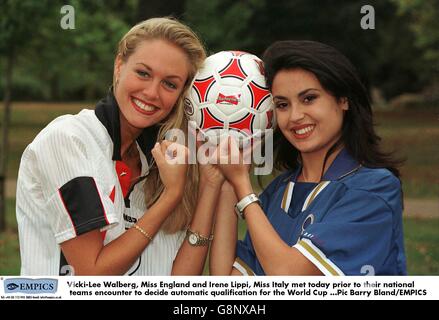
[77, 201]
[246, 260]
[353, 238]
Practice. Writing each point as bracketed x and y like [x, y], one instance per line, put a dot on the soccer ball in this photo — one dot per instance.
[228, 96]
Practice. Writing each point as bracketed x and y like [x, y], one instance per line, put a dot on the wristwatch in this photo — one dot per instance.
[197, 240]
[244, 202]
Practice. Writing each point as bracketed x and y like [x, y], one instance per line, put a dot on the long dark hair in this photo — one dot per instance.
[339, 77]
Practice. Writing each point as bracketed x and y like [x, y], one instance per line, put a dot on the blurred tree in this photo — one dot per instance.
[95, 40]
[395, 65]
[159, 8]
[74, 64]
[52, 62]
[385, 56]
[424, 22]
[223, 24]
[17, 25]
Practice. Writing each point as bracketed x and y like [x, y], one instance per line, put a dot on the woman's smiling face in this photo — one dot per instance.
[150, 82]
[309, 117]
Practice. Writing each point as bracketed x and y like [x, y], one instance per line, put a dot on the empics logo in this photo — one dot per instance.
[30, 286]
[12, 286]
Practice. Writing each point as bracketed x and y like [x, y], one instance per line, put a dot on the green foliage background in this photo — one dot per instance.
[400, 55]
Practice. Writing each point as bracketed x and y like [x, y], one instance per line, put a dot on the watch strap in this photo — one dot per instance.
[201, 240]
[244, 202]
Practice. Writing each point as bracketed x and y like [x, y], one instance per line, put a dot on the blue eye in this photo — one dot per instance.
[170, 84]
[142, 73]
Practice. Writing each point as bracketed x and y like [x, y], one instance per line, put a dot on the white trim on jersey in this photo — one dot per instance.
[314, 193]
[286, 199]
[318, 258]
[242, 267]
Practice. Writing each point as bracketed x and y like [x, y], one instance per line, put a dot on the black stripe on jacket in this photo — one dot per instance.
[83, 204]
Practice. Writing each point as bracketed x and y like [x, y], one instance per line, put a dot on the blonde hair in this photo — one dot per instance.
[169, 29]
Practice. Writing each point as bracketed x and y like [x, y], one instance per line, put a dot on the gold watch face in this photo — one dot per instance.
[193, 239]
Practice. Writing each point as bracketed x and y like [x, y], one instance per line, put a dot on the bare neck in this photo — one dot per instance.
[312, 164]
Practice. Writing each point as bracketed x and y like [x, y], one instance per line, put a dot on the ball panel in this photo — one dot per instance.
[242, 121]
[201, 88]
[258, 95]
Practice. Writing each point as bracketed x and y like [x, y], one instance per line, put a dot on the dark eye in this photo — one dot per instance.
[280, 105]
[309, 98]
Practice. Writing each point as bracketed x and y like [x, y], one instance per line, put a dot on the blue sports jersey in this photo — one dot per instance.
[349, 224]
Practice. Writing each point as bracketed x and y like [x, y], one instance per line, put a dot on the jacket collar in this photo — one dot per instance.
[107, 111]
[343, 165]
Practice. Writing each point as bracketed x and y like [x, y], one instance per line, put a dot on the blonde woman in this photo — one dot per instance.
[81, 205]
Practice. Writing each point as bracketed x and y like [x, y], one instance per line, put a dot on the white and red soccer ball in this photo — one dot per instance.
[229, 96]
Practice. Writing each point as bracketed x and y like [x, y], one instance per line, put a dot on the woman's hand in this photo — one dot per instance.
[210, 174]
[233, 163]
[171, 159]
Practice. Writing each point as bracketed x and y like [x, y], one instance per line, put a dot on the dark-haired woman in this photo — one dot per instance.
[336, 209]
